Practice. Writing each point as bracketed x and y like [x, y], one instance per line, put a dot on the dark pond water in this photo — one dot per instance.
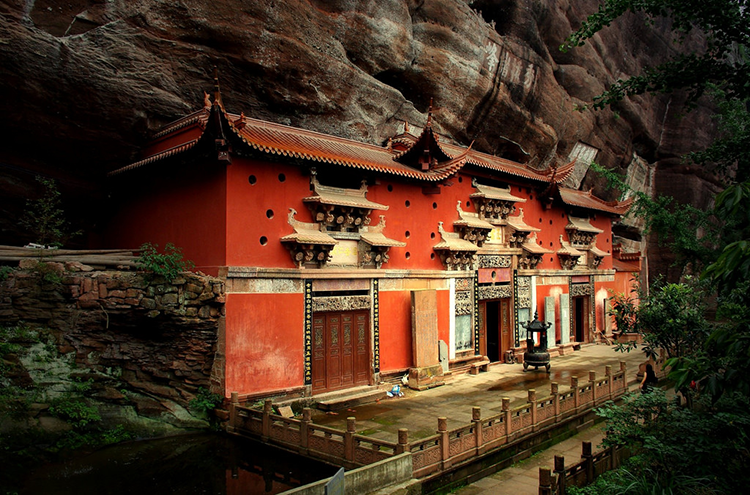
[193, 464]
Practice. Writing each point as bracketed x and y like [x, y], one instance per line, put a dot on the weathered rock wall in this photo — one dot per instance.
[86, 82]
[148, 345]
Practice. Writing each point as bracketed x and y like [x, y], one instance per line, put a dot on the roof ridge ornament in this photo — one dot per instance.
[217, 88]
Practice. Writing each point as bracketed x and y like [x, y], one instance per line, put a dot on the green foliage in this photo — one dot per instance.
[75, 411]
[681, 448]
[47, 273]
[205, 402]
[5, 272]
[44, 218]
[169, 264]
[723, 62]
[624, 309]
[673, 318]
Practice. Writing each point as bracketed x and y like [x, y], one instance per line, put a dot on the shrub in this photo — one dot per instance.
[168, 264]
[205, 402]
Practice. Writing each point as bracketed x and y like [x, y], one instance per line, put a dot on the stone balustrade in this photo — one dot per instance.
[439, 452]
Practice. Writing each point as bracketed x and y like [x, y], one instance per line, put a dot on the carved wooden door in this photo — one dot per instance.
[341, 350]
[506, 327]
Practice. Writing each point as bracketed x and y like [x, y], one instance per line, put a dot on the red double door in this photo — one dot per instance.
[341, 350]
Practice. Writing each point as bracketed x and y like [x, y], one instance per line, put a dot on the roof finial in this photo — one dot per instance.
[429, 115]
[406, 126]
[217, 90]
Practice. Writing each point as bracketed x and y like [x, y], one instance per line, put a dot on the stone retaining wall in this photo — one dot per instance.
[145, 342]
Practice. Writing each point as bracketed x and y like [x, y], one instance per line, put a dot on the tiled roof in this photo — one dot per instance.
[329, 195]
[471, 220]
[451, 241]
[597, 252]
[282, 140]
[307, 233]
[531, 245]
[567, 249]
[497, 193]
[581, 225]
[517, 223]
[373, 235]
[584, 199]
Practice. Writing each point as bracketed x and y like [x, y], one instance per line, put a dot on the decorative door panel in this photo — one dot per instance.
[341, 350]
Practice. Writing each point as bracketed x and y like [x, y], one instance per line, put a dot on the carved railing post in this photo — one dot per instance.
[476, 418]
[588, 459]
[592, 384]
[560, 472]
[403, 441]
[444, 443]
[608, 374]
[351, 429]
[532, 407]
[508, 422]
[267, 410]
[624, 380]
[555, 392]
[545, 481]
[576, 391]
[234, 403]
[304, 430]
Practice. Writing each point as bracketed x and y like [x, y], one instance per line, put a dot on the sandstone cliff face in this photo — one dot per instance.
[146, 345]
[86, 81]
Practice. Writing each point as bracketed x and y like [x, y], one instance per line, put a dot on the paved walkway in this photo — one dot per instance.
[522, 478]
[418, 411]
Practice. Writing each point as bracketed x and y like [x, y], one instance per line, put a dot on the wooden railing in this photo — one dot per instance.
[556, 481]
[440, 451]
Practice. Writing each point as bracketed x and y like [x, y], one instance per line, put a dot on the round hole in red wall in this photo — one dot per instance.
[493, 274]
[390, 187]
[407, 203]
[432, 235]
[408, 255]
[282, 177]
[468, 204]
[531, 198]
[432, 256]
[550, 222]
[269, 213]
[407, 234]
[252, 180]
[460, 180]
[434, 206]
[550, 260]
[540, 220]
[263, 240]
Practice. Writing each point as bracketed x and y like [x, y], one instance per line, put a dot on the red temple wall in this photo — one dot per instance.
[395, 330]
[258, 212]
[183, 207]
[264, 346]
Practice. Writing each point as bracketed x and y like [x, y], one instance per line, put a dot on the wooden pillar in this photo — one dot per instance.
[592, 384]
[507, 419]
[304, 430]
[555, 392]
[444, 443]
[545, 481]
[403, 441]
[560, 472]
[234, 403]
[267, 410]
[588, 460]
[351, 429]
[532, 407]
[476, 418]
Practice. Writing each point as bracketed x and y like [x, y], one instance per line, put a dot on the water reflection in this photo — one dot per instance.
[195, 464]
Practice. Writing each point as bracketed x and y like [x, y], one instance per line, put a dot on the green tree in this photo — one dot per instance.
[723, 61]
[44, 217]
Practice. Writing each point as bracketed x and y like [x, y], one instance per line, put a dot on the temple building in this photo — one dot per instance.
[349, 264]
